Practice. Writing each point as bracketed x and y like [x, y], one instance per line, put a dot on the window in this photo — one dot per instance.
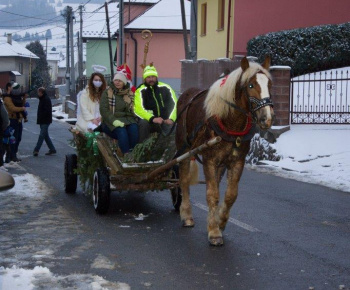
[204, 19]
[20, 68]
[221, 14]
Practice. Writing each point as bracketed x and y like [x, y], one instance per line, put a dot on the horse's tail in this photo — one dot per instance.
[194, 172]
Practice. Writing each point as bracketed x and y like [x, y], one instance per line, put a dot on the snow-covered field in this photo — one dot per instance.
[318, 154]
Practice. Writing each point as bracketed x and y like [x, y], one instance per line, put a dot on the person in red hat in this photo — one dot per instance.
[124, 68]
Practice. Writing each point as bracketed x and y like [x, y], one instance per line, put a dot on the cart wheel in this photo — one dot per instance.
[101, 191]
[176, 195]
[70, 177]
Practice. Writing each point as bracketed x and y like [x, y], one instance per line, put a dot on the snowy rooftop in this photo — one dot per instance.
[165, 15]
[95, 23]
[14, 49]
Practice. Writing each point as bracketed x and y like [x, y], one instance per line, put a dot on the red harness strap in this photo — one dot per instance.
[233, 133]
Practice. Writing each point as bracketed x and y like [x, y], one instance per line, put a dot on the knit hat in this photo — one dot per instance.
[124, 68]
[120, 76]
[150, 70]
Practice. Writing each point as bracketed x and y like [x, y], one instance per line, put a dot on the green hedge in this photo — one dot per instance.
[305, 50]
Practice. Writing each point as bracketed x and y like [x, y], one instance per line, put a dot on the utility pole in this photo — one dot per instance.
[46, 47]
[184, 29]
[80, 46]
[72, 67]
[109, 41]
[67, 14]
[121, 33]
[193, 32]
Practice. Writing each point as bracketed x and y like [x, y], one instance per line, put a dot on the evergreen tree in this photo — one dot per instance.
[27, 36]
[40, 75]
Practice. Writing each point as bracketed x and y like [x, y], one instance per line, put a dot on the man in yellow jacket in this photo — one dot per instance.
[155, 105]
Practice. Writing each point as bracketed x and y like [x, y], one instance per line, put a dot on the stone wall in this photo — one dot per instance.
[280, 94]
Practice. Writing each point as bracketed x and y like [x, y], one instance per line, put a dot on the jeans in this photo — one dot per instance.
[44, 135]
[17, 126]
[127, 136]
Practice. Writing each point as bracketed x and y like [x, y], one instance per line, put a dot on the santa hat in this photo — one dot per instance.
[124, 68]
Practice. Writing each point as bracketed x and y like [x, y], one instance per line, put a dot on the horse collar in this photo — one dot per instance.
[246, 130]
[232, 136]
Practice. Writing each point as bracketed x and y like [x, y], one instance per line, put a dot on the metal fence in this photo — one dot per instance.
[321, 98]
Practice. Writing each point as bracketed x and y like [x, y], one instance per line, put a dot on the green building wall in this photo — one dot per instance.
[97, 53]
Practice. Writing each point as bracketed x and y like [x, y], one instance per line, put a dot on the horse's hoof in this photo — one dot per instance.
[189, 223]
[217, 242]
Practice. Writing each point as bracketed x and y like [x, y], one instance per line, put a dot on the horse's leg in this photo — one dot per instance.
[233, 176]
[185, 208]
[213, 195]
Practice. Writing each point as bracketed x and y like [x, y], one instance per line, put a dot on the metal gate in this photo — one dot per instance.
[321, 98]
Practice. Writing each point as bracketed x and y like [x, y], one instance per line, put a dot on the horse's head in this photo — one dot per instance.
[256, 84]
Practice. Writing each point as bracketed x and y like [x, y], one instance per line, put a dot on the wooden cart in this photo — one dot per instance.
[157, 175]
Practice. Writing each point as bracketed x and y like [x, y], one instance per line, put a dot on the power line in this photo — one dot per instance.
[25, 15]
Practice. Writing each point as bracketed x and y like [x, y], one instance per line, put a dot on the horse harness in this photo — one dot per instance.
[216, 124]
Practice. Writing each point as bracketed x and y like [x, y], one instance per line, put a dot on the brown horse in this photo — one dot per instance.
[229, 110]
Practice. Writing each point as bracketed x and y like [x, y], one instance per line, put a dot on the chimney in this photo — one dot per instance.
[9, 38]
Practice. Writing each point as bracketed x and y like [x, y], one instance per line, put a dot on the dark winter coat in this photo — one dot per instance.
[4, 119]
[44, 110]
[155, 101]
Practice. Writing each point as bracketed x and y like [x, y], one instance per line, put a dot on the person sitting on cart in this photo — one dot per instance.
[118, 118]
[155, 105]
[88, 116]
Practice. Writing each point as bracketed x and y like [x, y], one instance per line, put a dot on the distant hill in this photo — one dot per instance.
[38, 12]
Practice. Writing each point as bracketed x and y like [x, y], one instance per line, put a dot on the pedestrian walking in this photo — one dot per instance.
[44, 119]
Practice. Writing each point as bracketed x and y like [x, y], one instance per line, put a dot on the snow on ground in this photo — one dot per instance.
[318, 154]
[41, 277]
[19, 269]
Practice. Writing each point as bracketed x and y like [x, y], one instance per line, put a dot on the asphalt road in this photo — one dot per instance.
[283, 234]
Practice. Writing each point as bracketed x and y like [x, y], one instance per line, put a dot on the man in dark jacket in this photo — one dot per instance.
[44, 119]
[155, 104]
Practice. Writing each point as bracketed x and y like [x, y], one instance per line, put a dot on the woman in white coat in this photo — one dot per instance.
[88, 117]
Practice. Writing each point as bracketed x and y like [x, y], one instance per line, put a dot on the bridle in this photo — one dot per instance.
[259, 103]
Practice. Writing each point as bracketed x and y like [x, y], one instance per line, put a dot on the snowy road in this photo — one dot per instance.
[283, 234]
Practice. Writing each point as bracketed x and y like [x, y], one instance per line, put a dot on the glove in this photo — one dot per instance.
[118, 123]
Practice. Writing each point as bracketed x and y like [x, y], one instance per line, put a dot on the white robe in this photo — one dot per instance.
[87, 111]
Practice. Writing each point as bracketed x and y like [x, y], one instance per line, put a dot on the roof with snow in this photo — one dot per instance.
[165, 15]
[14, 49]
[95, 22]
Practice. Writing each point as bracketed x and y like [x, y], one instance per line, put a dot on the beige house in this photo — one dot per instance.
[16, 63]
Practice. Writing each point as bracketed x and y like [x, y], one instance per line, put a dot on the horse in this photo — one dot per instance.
[231, 109]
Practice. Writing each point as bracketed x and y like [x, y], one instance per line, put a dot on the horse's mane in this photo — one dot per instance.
[225, 90]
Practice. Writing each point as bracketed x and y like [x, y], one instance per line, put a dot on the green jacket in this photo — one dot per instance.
[117, 105]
